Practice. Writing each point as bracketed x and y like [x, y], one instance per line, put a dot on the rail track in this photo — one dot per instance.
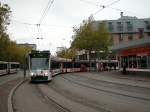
[79, 99]
[118, 75]
[58, 106]
[71, 80]
[108, 82]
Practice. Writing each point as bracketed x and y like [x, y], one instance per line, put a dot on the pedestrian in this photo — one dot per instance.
[24, 71]
[114, 66]
[124, 68]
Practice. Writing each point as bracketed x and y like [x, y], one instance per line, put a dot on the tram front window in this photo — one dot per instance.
[39, 63]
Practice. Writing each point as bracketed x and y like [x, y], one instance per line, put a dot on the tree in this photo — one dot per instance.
[66, 53]
[90, 39]
[9, 50]
[4, 37]
[4, 17]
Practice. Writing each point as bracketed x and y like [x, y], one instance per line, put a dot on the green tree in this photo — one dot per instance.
[9, 50]
[66, 53]
[4, 37]
[90, 38]
[4, 17]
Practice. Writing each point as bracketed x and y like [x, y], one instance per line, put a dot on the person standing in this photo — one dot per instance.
[124, 68]
[24, 71]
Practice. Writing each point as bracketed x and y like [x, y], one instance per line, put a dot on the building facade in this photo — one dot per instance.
[130, 41]
[32, 46]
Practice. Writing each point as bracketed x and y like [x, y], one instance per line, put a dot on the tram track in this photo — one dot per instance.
[42, 97]
[106, 83]
[81, 100]
[119, 75]
[94, 108]
[58, 106]
[106, 90]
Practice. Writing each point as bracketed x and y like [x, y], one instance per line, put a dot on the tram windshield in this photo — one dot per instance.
[39, 63]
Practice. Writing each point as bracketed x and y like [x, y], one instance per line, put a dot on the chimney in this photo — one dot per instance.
[121, 14]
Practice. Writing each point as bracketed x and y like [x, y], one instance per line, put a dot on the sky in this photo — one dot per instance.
[62, 16]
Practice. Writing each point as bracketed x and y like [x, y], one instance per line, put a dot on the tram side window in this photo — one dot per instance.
[93, 65]
[18, 66]
[77, 65]
[67, 65]
[3, 66]
[13, 66]
[55, 65]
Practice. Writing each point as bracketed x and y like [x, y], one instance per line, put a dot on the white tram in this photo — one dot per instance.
[3, 67]
[8, 67]
[39, 66]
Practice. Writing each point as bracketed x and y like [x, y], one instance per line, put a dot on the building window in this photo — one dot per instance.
[147, 25]
[111, 41]
[119, 26]
[110, 26]
[130, 36]
[129, 26]
[148, 33]
[141, 32]
[120, 37]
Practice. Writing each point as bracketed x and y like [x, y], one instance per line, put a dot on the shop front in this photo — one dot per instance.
[137, 57]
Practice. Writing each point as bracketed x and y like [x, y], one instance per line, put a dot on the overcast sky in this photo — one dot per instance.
[62, 16]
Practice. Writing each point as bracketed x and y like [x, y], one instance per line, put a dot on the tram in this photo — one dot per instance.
[3, 67]
[39, 66]
[9, 67]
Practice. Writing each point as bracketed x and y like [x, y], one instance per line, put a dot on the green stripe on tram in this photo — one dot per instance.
[39, 78]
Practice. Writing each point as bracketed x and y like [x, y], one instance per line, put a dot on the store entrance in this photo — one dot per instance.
[132, 61]
[142, 61]
[136, 61]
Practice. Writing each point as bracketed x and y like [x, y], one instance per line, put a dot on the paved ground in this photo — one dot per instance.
[141, 76]
[85, 92]
[7, 82]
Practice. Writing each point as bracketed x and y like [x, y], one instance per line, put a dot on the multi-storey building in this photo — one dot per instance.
[130, 40]
[32, 46]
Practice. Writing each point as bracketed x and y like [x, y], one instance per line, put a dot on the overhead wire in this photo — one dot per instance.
[112, 3]
[105, 6]
[46, 25]
[121, 10]
[25, 23]
[49, 4]
[39, 31]
[90, 2]
[108, 6]
[28, 30]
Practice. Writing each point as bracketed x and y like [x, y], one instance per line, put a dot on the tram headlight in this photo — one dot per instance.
[46, 73]
[32, 73]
